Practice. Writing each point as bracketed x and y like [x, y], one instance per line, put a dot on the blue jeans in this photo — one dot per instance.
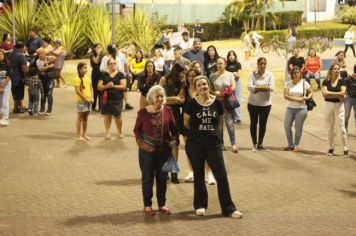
[33, 100]
[349, 103]
[237, 93]
[310, 76]
[298, 115]
[48, 86]
[229, 121]
[151, 167]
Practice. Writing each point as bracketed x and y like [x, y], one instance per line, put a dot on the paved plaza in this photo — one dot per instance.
[52, 185]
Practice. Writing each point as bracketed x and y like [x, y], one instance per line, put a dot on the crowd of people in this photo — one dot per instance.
[184, 90]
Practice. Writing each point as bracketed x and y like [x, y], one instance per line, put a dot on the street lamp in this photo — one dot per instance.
[13, 22]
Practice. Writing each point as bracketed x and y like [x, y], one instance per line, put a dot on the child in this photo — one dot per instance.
[34, 89]
[84, 92]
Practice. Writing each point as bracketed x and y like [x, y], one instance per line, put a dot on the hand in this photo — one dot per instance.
[110, 85]
[89, 100]
[178, 99]
[305, 98]
[173, 143]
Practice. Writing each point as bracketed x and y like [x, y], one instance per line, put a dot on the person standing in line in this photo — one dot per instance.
[210, 59]
[234, 66]
[334, 90]
[256, 40]
[196, 54]
[296, 92]
[146, 80]
[341, 61]
[296, 60]
[222, 81]
[260, 85]
[137, 65]
[158, 61]
[313, 65]
[198, 31]
[35, 88]
[178, 58]
[125, 69]
[44, 65]
[173, 84]
[47, 46]
[5, 89]
[190, 94]
[95, 59]
[7, 45]
[186, 43]
[202, 117]
[247, 47]
[18, 64]
[33, 43]
[349, 40]
[60, 53]
[84, 92]
[112, 84]
[155, 124]
[168, 55]
[292, 36]
[350, 100]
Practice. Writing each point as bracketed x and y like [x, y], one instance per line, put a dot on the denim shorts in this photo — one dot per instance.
[83, 106]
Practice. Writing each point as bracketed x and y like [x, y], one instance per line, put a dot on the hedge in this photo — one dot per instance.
[286, 19]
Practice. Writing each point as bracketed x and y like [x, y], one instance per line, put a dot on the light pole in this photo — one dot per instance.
[113, 21]
[264, 15]
[13, 22]
[179, 15]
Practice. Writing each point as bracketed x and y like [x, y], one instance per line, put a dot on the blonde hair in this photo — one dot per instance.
[154, 90]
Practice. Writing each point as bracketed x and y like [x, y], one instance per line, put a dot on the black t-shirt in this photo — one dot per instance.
[17, 59]
[330, 88]
[113, 94]
[233, 66]
[95, 66]
[145, 83]
[296, 61]
[4, 71]
[33, 44]
[204, 120]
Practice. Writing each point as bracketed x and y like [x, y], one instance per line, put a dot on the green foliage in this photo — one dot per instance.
[99, 29]
[65, 20]
[25, 19]
[215, 30]
[284, 19]
[348, 15]
[140, 29]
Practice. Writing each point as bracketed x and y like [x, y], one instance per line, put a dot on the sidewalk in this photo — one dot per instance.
[51, 185]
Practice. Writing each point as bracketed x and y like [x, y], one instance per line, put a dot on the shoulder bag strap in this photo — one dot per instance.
[162, 125]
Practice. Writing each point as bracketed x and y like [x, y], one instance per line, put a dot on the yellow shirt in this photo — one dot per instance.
[86, 89]
[136, 67]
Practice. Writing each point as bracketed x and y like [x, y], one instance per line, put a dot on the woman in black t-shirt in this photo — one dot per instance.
[234, 67]
[112, 85]
[148, 78]
[202, 117]
[210, 58]
[95, 61]
[334, 90]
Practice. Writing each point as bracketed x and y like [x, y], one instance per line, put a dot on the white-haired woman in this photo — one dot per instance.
[155, 132]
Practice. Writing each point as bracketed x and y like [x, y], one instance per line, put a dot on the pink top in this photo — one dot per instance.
[313, 64]
[7, 46]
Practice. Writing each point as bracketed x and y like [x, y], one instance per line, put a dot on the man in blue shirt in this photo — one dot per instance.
[196, 54]
[33, 43]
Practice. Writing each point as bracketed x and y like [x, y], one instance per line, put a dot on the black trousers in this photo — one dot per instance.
[209, 149]
[258, 114]
[151, 167]
[347, 46]
[96, 94]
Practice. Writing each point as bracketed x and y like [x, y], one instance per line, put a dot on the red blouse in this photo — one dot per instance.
[7, 46]
[313, 64]
[151, 124]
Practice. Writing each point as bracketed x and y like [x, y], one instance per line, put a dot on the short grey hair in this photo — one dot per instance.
[154, 90]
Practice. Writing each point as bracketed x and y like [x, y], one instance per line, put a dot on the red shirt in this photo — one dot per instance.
[151, 124]
[313, 64]
[7, 46]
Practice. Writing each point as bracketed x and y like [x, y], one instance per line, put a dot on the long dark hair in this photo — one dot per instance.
[206, 54]
[4, 36]
[141, 56]
[79, 67]
[149, 62]
[112, 50]
[228, 55]
[175, 71]
[196, 72]
[93, 49]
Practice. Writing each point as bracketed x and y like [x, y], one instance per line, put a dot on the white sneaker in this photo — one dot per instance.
[200, 212]
[210, 179]
[189, 178]
[4, 122]
[254, 148]
[236, 215]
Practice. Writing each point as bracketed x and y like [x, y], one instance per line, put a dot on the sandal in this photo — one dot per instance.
[164, 210]
[149, 211]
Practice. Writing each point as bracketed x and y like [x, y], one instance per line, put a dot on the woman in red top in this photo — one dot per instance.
[7, 46]
[155, 126]
[313, 67]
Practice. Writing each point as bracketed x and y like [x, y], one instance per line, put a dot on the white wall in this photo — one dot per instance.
[329, 14]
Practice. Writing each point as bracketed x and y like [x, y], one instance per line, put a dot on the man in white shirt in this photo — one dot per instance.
[349, 40]
[186, 43]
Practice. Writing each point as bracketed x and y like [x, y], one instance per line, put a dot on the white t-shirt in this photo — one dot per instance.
[247, 42]
[296, 90]
[222, 81]
[168, 54]
[185, 45]
[159, 63]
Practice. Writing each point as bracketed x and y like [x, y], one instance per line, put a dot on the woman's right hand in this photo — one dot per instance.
[109, 85]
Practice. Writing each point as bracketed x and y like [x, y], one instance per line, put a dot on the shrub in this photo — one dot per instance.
[285, 19]
[348, 15]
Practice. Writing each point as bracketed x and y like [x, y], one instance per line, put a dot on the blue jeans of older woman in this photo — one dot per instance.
[151, 167]
[229, 121]
[298, 115]
[349, 104]
[237, 93]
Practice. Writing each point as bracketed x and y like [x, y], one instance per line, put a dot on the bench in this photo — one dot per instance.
[326, 63]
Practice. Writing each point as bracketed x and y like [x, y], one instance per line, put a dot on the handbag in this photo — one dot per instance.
[104, 99]
[51, 74]
[170, 165]
[232, 103]
[310, 103]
